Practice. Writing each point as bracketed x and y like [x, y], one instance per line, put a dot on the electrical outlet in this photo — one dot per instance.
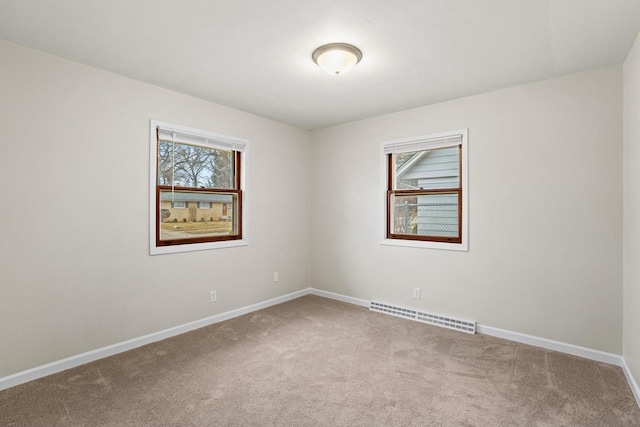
[212, 296]
[275, 276]
[416, 293]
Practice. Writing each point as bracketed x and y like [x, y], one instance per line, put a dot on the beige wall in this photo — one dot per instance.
[632, 210]
[545, 188]
[75, 140]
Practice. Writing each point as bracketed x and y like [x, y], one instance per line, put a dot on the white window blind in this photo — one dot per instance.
[407, 146]
[208, 141]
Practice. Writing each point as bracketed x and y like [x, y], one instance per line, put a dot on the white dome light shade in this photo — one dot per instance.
[337, 58]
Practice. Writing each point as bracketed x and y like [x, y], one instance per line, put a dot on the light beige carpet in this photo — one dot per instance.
[317, 362]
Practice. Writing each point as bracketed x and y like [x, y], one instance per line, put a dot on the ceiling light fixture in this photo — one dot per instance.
[337, 58]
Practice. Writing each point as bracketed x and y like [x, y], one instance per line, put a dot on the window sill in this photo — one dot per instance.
[160, 250]
[426, 245]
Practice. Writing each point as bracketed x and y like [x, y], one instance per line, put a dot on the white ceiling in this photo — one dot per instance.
[256, 55]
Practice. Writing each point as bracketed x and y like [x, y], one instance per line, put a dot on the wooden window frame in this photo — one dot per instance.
[237, 191]
[198, 137]
[392, 192]
[452, 138]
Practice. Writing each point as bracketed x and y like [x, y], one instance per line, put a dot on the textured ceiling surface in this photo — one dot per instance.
[256, 55]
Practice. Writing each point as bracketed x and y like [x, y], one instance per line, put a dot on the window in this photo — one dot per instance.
[426, 191]
[197, 189]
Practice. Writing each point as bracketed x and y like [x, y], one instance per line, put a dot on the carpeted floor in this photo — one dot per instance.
[317, 362]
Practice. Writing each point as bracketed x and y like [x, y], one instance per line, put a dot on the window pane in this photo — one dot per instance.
[428, 169]
[204, 215]
[425, 215]
[194, 166]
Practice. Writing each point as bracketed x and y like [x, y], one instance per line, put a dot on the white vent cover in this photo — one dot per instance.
[420, 316]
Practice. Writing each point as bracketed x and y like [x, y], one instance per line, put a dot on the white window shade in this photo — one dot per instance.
[210, 141]
[408, 146]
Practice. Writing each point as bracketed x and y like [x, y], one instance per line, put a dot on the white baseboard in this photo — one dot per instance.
[587, 353]
[90, 356]
[631, 380]
[339, 297]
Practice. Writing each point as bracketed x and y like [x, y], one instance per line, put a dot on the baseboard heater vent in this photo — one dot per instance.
[420, 316]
